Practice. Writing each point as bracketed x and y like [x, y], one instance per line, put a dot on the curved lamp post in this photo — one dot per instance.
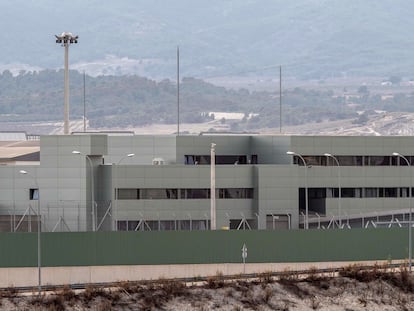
[39, 228]
[114, 224]
[213, 186]
[410, 224]
[306, 187]
[339, 187]
[92, 187]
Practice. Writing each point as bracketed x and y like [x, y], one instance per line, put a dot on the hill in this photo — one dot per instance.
[132, 102]
[311, 39]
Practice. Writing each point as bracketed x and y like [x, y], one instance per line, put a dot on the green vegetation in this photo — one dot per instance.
[135, 101]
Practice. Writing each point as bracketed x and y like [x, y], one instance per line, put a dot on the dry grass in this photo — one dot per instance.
[372, 289]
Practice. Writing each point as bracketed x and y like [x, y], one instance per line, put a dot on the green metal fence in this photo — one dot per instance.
[186, 247]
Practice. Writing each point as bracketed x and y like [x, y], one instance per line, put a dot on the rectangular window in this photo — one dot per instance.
[34, 194]
[254, 159]
[348, 192]
[317, 193]
[235, 193]
[350, 160]
[371, 192]
[158, 194]
[404, 192]
[377, 160]
[391, 192]
[195, 193]
[128, 194]
[332, 192]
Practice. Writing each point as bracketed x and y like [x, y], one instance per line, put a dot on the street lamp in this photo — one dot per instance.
[92, 187]
[213, 186]
[66, 38]
[306, 187]
[115, 227]
[410, 224]
[339, 187]
[39, 228]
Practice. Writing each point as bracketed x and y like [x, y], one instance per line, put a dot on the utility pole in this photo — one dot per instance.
[178, 91]
[280, 99]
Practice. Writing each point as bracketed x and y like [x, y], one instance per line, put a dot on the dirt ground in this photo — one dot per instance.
[354, 289]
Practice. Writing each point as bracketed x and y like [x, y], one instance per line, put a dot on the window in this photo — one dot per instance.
[195, 193]
[371, 192]
[332, 192]
[391, 192]
[34, 194]
[254, 159]
[349, 160]
[235, 193]
[158, 194]
[377, 160]
[317, 193]
[220, 159]
[128, 194]
[404, 192]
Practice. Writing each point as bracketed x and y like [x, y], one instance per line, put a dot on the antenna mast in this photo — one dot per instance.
[178, 91]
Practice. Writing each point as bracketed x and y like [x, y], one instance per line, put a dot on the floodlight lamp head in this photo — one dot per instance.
[290, 153]
[23, 172]
[76, 152]
[328, 155]
[130, 155]
[396, 154]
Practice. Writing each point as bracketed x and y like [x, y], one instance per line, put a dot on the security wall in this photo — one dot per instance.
[180, 247]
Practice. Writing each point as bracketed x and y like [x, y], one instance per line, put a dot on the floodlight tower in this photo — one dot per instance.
[66, 38]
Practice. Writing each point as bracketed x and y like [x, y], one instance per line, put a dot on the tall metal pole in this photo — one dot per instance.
[410, 219]
[213, 186]
[306, 188]
[66, 106]
[84, 102]
[66, 38]
[178, 90]
[339, 187]
[39, 229]
[280, 99]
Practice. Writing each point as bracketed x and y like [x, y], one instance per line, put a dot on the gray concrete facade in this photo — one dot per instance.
[166, 184]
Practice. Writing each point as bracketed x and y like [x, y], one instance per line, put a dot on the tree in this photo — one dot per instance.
[363, 89]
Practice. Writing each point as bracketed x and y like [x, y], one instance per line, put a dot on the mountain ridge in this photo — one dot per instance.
[311, 39]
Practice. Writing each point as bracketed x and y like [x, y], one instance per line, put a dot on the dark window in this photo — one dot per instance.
[317, 193]
[371, 192]
[158, 194]
[349, 160]
[348, 192]
[34, 194]
[195, 193]
[235, 193]
[128, 194]
[332, 192]
[404, 192]
[254, 159]
[377, 160]
[391, 192]
[220, 159]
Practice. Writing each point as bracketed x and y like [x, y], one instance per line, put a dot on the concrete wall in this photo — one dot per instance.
[16, 277]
